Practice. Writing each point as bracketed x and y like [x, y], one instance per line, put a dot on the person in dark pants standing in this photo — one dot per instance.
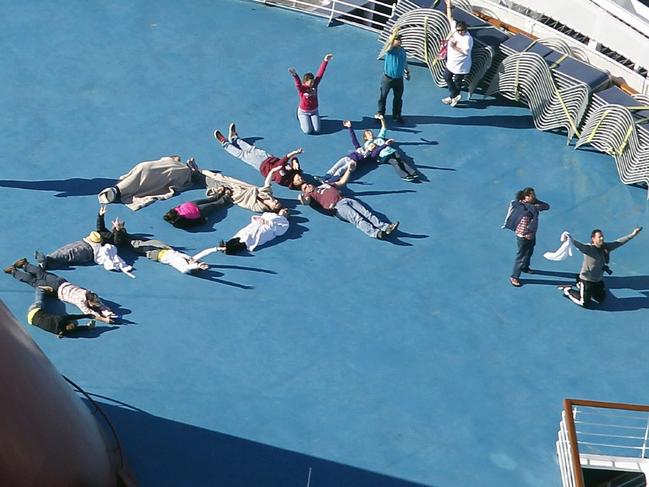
[395, 68]
[523, 219]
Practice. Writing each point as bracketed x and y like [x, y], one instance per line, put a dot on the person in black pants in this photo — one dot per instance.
[57, 324]
[194, 213]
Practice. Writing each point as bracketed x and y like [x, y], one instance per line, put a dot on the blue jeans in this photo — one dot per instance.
[353, 211]
[39, 300]
[454, 82]
[248, 153]
[35, 276]
[78, 252]
[523, 255]
[309, 121]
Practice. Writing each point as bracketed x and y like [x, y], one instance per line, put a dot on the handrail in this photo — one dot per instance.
[110, 425]
[570, 409]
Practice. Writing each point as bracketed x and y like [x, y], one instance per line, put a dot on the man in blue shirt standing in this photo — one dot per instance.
[395, 68]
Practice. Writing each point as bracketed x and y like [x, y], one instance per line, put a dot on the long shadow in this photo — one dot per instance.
[213, 276]
[377, 193]
[242, 268]
[189, 455]
[63, 187]
[611, 302]
[95, 332]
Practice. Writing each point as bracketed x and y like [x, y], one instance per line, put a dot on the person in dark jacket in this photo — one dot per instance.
[194, 213]
[523, 219]
[57, 324]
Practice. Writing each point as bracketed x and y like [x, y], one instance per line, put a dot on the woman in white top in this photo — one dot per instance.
[458, 58]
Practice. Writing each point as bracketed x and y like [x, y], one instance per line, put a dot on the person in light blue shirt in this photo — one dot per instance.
[389, 154]
[395, 68]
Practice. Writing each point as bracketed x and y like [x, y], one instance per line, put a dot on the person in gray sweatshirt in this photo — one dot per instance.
[590, 283]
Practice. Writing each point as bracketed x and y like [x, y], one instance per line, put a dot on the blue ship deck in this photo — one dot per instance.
[325, 357]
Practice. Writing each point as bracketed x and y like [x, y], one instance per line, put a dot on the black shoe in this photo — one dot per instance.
[232, 132]
[391, 228]
[219, 136]
[380, 235]
[191, 163]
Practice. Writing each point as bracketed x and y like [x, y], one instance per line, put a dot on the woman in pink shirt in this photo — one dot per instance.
[307, 88]
[193, 213]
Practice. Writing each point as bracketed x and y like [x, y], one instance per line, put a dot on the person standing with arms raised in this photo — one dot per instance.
[395, 68]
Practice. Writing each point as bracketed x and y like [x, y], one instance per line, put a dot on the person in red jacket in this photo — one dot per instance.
[289, 173]
[307, 89]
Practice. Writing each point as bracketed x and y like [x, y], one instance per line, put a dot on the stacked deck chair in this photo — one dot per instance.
[618, 124]
[556, 86]
[424, 29]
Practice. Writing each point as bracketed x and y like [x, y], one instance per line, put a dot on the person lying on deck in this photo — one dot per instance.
[330, 199]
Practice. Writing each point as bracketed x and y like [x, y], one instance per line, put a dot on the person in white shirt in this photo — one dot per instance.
[261, 229]
[458, 58]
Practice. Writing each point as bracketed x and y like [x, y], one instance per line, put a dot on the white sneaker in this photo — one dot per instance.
[447, 100]
[455, 100]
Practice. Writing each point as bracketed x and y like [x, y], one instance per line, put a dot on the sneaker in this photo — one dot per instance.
[219, 136]
[20, 263]
[454, 101]
[92, 324]
[47, 289]
[515, 282]
[380, 235]
[10, 269]
[391, 228]
[447, 100]
[191, 163]
[409, 177]
[232, 132]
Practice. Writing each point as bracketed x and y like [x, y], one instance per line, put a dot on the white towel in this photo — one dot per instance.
[563, 252]
[107, 256]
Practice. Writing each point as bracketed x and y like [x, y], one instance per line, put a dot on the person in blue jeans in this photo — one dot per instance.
[395, 68]
[523, 218]
[330, 199]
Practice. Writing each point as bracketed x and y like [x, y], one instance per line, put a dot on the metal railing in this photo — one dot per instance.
[603, 429]
[373, 15]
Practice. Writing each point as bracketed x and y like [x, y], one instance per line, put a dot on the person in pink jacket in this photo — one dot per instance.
[307, 88]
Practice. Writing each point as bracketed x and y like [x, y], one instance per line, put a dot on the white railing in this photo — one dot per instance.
[378, 11]
[602, 435]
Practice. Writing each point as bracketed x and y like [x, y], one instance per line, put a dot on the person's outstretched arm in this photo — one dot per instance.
[294, 153]
[345, 177]
[322, 68]
[296, 78]
[348, 124]
[449, 16]
[622, 240]
[269, 178]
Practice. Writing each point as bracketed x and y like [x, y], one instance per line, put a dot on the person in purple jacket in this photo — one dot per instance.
[361, 154]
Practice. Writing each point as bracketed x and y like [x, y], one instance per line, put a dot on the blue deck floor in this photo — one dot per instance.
[363, 362]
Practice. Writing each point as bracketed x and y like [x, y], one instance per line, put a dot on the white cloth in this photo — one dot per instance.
[457, 62]
[106, 255]
[563, 252]
[182, 262]
[261, 229]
